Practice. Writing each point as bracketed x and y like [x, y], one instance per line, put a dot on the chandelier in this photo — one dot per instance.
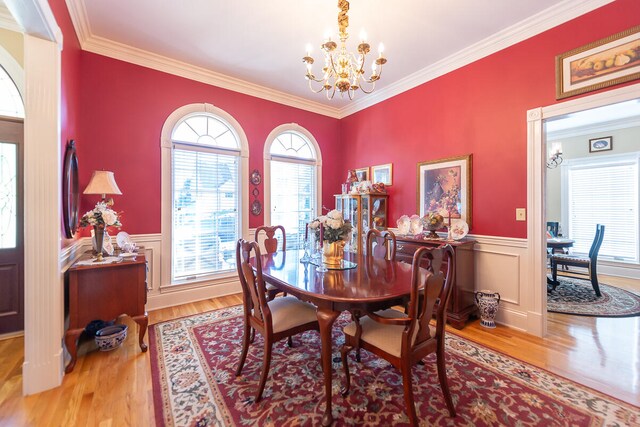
[344, 70]
[555, 155]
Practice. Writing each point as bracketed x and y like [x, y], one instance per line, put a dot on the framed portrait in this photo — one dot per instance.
[362, 174]
[383, 174]
[444, 186]
[601, 144]
[606, 62]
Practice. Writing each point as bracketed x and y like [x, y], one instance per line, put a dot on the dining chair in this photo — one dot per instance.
[274, 320]
[403, 339]
[271, 246]
[590, 262]
[385, 244]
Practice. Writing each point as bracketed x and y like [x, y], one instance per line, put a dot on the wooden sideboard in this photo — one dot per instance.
[105, 292]
[462, 303]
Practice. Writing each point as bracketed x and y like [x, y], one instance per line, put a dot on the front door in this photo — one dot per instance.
[11, 227]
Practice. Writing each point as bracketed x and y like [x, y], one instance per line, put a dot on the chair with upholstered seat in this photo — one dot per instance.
[271, 246]
[405, 339]
[590, 263]
[274, 320]
[381, 244]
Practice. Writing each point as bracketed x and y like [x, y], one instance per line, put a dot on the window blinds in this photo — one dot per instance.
[205, 213]
[605, 192]
[293, 198]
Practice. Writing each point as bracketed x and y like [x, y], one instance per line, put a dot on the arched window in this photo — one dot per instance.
[292, 180]
[206, 147]
[10, 100]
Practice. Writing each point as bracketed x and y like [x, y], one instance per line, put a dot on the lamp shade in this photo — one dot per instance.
[102, 182]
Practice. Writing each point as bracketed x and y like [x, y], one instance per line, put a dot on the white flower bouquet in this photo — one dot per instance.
[335, 228]
[101, 216]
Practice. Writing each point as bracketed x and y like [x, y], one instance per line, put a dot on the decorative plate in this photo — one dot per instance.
[123, 238]
[459, 229]
[256, 207]
[256, 178]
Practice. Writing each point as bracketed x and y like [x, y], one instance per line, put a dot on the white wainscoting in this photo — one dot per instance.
[500, 265]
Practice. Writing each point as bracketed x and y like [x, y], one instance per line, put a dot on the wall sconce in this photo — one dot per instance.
[555, 155]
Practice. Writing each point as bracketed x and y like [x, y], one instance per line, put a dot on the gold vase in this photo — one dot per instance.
[333, 253]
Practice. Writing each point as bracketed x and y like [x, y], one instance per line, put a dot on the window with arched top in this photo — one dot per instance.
[292, 180]
[10, 100]
[207, 151]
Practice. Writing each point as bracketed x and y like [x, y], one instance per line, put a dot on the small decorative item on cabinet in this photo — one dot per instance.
[111, 337]
[415, 225]
[433, 221]
[488, 302]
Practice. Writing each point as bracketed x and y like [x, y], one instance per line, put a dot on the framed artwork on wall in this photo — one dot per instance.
[606, 62]
[383, 174]
[601, 144]
[444, 186]
[362, 174]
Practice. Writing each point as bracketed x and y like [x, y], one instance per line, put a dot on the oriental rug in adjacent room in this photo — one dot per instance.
[193, 362]
[576, 296]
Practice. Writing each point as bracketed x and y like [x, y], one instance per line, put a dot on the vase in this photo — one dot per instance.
[98, 240]
[333, 253]
[487, 302]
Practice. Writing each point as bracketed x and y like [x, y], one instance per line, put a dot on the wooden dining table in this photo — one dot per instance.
[372, 285]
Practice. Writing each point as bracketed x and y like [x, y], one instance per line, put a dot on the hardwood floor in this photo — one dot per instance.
[114, 388]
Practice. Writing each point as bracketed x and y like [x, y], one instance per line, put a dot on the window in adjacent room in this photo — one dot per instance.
[604, 190]
[293, 159]
[205, 172]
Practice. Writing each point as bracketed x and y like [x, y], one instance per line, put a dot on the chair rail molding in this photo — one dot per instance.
[536, 170]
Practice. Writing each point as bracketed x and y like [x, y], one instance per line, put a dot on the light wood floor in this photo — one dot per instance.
[114, 388]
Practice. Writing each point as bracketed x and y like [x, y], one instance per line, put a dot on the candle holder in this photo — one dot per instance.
[305, 257]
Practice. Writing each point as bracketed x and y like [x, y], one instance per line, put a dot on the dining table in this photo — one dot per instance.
[371, 284]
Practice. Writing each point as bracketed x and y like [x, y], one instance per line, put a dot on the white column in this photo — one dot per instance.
[43, 290]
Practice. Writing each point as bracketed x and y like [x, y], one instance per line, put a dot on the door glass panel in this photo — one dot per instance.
[8, 195]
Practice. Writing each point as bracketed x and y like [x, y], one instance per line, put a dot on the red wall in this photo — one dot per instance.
[124, 107]
[70, 89]
[479, 109]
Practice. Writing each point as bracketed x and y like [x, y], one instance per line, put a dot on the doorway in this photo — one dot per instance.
[11, 226]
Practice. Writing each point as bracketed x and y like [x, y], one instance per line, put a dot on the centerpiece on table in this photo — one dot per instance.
[433, 221]
[333, 232]
[100, 217]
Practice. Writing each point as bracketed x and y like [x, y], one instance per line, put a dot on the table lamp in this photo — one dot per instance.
[102, 182]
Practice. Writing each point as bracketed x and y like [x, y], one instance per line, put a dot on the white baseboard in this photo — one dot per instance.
[184, 296]
[10, 335]
[36, 378]
[629, 271]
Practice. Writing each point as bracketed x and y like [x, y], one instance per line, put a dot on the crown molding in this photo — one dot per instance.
[7, 21]
[536, 24]
[628, 122]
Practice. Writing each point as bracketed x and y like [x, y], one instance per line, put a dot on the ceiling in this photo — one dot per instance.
[256, 47]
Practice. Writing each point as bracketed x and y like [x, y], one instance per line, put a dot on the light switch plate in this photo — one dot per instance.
[521, 214]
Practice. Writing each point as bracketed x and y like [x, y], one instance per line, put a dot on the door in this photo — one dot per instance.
[11, 226]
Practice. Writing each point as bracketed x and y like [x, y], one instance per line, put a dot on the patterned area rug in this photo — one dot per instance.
[576, 296]
[193, 361]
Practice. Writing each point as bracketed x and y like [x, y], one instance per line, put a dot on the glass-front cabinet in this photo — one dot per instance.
[363, 211]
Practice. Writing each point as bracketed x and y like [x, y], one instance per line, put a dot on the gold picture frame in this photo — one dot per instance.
[362, 174]
[383, 174]
[445, 185]
[603, 63]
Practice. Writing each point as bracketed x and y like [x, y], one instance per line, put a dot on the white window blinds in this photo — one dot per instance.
[293, 196]
[604, 191]
[205, 212]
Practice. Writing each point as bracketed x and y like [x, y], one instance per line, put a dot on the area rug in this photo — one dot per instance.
[576, 296]
[193, 361]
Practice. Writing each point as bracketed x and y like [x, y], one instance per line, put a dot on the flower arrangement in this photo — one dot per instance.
[101, 216]
[433, 220]
[334, 226]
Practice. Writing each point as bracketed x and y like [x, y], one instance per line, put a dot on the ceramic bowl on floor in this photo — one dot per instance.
[111, 337]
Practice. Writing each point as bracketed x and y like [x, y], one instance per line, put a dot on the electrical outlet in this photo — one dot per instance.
[521, 214]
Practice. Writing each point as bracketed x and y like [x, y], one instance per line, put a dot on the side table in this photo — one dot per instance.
[105, 291]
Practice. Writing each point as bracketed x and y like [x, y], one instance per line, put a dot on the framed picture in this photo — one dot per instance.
[383, 174]
[362, 174]
[601, 144]
[606, 62]
[444, 186]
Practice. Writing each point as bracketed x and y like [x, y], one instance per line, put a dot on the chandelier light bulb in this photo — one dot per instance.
[327, 34]
[380, 48]
[363, 36]
[308, 48]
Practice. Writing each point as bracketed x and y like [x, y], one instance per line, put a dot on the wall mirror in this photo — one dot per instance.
[70, 193]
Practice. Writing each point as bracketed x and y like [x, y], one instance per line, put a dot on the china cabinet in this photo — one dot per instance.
[364, 211]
